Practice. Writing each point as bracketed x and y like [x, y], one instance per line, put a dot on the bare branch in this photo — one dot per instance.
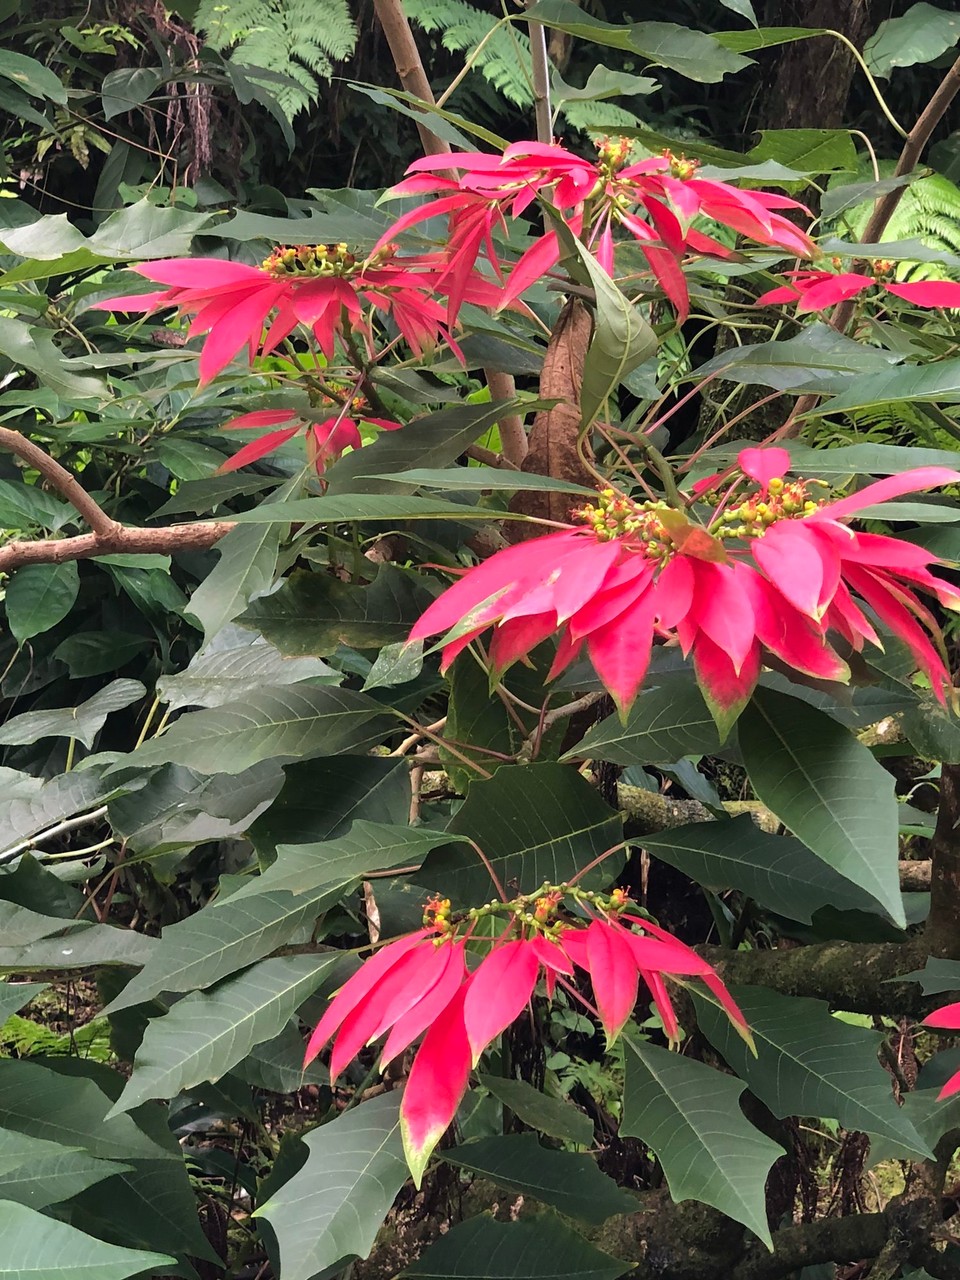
[61, 480]
[163, 540]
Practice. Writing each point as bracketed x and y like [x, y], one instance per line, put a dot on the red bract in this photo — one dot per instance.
[817, 290]
[419, 984]
[773, 574]
[325, 441]
[946, 1019]
[654, 201]
[324, 287]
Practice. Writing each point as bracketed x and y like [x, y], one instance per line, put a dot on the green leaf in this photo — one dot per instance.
[694, 54]
[434, 440]
[43, 805]
[23, 505]
[141, 230]
[534, 823]
[602, 83]
[289, 723]
[235, 664]
[259, 916]
[566, 1181]
[31, 76]
[360, 506]
[777, 871]
[938, 382]
[551, 1116]
[810, 1063]
[818, 359]
[36, 351]
[766, 37]
[38, 1173]
[828, 789]
[20, 925]
[471, 478]
[743, 7]
[690, 1116]
[204, 1035]
[152, 1204]
[343, 861]
[83, 722]
[323, 797]
[128, 87]
[36, 1247]
[542, 1249]
[621, 338]
[82, 947]
[246, 568]
[39, 596]
[921, 34]
[180, 808]
[669, 720]
[809, 150]
[331, 1211]
[94, 653]
[935, 977]
[14, 995]
[314, 613]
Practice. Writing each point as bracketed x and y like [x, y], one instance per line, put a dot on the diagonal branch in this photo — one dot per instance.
[108, 535]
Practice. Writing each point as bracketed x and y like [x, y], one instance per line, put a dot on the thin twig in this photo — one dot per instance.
[58, 829]
[541, 80]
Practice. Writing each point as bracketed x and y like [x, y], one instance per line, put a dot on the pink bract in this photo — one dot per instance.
[790, 578]
[419, 985]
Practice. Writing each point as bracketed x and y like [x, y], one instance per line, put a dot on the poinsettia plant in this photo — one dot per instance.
[529, 786]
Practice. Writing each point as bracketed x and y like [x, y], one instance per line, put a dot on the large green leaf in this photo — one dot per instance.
[668, 721]
[263, 914]
[20, 925]
[534, 823]
[35, 350]
[39, 596]
[14, 995]
[152, 1203]
[566, 1181]
[31, 76]
[289, 723]
[810, 1063]
[204, 1035]
[36, 1247]
[826, 786]
[936, 976]
[246, 568]
[128, 87]
[367, 846]
[693, 54]
[690, 1115]
[921, 34]
[43, 804]
[81, 947]
[552, 1116]
[809, 150]
[322, 797]
[361, 506]
[472, 478]
[431, 441]
[938, 382]
[314, 613]
[36, 1172]
[83, 722]
[181, 808]
[777, 871]
[542, 1249]
[333, 1208]
[235, 664]
[817, 360]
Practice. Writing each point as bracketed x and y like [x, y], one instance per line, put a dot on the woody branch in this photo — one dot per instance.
[107, 535]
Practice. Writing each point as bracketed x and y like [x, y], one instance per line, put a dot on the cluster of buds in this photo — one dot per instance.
[436, 915]
[782, 500]
[321, 260]
[680, 166]
[539, 913]
[612, 155]
[614, 515]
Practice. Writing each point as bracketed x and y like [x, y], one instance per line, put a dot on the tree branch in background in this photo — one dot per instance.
[883, 211]
[108, 535]
[541, 80]
[413, 77]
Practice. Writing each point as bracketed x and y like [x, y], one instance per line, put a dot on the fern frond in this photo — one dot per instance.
[505, 58]
[299, 39]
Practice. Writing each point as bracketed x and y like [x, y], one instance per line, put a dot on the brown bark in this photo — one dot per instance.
[943, 923]
[553, 448]
[811, 79]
